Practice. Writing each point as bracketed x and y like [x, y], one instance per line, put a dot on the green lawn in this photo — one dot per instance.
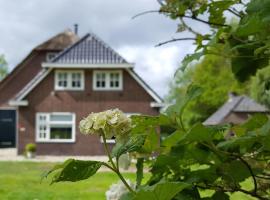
[21, 181]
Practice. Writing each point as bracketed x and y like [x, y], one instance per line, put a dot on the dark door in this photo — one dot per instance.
[7, 128]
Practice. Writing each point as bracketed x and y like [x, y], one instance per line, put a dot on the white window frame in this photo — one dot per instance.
[48, 123]
[107, 80]
[69, 80]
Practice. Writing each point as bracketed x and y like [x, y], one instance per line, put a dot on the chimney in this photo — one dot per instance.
[76, 29]
[232, 95]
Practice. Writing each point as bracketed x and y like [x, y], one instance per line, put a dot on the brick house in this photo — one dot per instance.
[61, 81]
[236, 110]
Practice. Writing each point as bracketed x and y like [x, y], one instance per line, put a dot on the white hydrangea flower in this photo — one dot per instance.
[111, 122]
[117, 190]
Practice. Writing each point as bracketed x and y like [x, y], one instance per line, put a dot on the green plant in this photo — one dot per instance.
[30, 147]
[260, 86]
[187, 162]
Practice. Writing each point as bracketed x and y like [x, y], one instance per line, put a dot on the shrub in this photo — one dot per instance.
[31, 147]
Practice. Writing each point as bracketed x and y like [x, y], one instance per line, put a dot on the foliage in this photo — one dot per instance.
[191, 161]
[31, 147]
[214, 76]
[246, 45]
[3, 67]
[260, 86]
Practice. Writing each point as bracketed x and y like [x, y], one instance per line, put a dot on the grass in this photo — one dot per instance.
[21, 181]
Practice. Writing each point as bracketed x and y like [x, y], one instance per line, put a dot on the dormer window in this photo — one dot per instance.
[50, 56]
[69, 80]
[107, 80]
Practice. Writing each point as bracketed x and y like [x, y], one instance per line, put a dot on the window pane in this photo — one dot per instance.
[114, 79]
[61, 133]
[100, 80]
[76, 80]
[62, 79]
[61, 118]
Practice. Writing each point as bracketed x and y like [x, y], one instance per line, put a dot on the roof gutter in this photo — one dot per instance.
[88, 66]
[158, 105]
[18, 103]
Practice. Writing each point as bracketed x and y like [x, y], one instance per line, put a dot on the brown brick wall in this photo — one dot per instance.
[133, 99]
[21, 75]
[236, 118]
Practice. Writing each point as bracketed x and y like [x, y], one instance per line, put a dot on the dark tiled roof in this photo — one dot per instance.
[242, 104]
[89, 50]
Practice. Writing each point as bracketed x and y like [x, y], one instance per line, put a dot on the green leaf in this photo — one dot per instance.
[189, 58]
[235, 171]
[134, 143]
[74, 170]
[139, 172]
[193, 92]
[171, 140]
[198, 133]
[220, 196]
[255, 122]
[151, 143]
[161, 191]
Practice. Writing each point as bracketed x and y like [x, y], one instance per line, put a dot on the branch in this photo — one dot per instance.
[144, 13]
[173, 40]
[188, 27]
[180, 16]
[204, 21]
[219, 188]
[251, 172]
[233, 11]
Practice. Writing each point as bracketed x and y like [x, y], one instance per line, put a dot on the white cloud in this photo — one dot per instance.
[156, 65]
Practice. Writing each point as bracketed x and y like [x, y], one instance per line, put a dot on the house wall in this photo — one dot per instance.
[236, 118]
[132, 99]
[20, 76]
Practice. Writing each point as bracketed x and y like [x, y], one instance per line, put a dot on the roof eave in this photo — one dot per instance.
[89, 66]
[158, 105]
[18, 103]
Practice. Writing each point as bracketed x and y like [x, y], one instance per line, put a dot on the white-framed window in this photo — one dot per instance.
[107, 80]
[50, 56]
[55, 127]
[69, 80]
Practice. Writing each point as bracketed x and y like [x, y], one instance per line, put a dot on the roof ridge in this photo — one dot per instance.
[238, 102]
[66, 50]
[107, 46]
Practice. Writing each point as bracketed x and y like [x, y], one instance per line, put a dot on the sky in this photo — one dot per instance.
[25, 24]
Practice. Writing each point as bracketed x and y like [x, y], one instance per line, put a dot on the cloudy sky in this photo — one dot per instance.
[25, 24]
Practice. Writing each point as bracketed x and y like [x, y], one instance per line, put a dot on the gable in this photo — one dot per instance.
[24, 73]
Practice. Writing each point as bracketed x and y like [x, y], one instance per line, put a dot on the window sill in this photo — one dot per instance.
[69, 89]
[55, 141]
[107, 90]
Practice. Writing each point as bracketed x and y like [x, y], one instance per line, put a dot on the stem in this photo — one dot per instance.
[114, 167]
[251, 173]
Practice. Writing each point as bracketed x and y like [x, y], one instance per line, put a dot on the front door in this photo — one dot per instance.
[7, 128]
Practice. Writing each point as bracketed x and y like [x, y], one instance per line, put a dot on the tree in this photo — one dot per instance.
[3, 67]
[247, 45]
[213, 74]
[260, 86]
